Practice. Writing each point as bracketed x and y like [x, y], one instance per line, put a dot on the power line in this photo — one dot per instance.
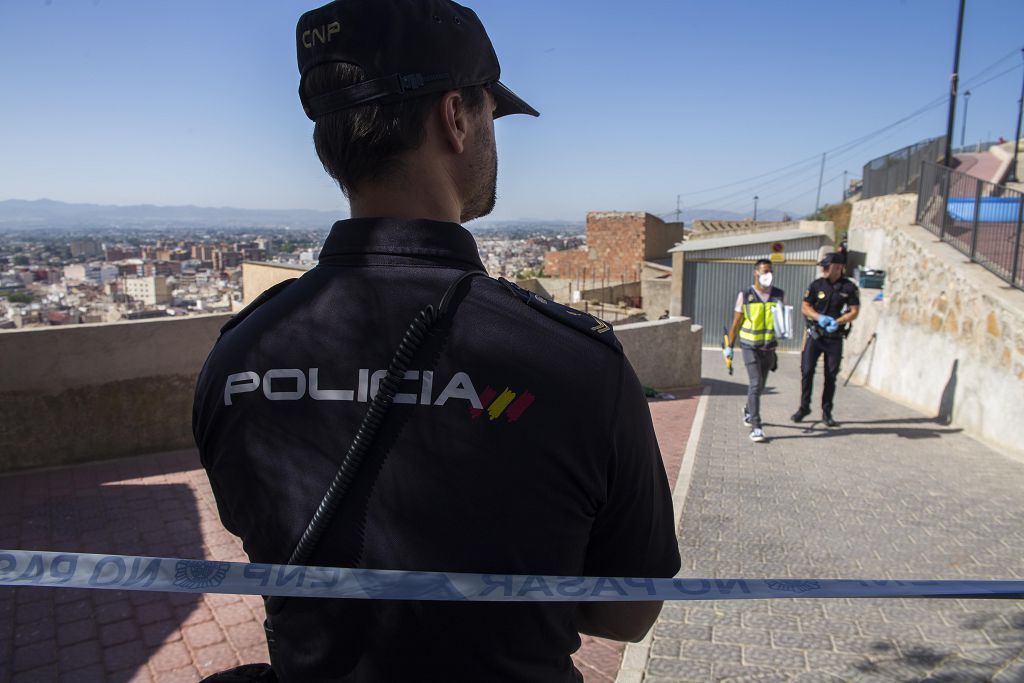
[808, 191]
[810, 161]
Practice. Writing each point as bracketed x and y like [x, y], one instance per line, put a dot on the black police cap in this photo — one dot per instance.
[832, 257]
[407, 48]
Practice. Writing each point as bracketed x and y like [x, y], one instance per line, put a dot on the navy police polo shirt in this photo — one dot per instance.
[520, 442]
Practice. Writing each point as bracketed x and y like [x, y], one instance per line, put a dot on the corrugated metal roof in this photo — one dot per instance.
[743, 240]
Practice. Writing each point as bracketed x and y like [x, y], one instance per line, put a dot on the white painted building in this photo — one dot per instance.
[150, 291]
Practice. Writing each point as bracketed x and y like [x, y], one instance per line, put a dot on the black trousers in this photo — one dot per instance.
[833, 350]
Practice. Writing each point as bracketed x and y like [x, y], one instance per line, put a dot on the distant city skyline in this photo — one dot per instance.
[192, 103]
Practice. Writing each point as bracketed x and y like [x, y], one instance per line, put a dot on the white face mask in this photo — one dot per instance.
[765, 279]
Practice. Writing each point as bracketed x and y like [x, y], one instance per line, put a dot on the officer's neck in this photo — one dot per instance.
[409, 194]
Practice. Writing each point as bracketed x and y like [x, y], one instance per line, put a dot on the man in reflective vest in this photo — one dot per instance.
[754, 322]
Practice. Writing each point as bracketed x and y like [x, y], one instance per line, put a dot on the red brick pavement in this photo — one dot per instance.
[599, 659]
[162, 506]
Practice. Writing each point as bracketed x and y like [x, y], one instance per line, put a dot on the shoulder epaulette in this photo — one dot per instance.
[263, 298]
[583, 322]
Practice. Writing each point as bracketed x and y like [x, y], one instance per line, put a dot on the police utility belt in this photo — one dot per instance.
[815, 332]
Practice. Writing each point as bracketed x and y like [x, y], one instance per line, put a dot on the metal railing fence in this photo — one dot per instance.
[979, 219]
[899, 171]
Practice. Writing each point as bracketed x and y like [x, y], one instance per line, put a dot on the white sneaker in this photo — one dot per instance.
[757, 435]
[746, 419]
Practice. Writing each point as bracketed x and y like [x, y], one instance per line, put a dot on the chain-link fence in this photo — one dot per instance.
[978, 218]
[899, 171]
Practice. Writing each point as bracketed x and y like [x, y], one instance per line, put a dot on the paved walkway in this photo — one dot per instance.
[983, 165]
[162, 506]
[889, 494]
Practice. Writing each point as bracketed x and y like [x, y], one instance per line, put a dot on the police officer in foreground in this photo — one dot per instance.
[513, 437]
[830, 304]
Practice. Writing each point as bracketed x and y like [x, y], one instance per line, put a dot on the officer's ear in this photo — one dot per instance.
[454, 121]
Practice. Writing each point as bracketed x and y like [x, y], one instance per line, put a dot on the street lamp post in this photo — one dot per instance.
[1012, 178]
[963, 129]
[755, 208]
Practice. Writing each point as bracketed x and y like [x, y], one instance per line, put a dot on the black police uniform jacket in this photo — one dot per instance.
[831, 300]
[520, 443]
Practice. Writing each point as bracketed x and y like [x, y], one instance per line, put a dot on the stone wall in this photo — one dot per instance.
[91, 392]
[949, 335]
[666, 354]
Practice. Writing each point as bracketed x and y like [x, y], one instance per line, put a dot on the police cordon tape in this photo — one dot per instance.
[127, 572]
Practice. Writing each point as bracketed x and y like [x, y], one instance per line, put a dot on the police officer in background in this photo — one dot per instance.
[515, 438]
[830, 304]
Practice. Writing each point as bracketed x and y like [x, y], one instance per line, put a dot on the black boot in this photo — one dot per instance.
[829, 420]
[800, 414]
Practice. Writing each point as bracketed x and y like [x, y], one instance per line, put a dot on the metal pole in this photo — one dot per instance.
[963, 129]
[1016, 241]
[844, 186]
[1012, 178]
[946, 178]
[974, 221]
[821, 174]
[755, 208]
[920, 194]
[953, 80]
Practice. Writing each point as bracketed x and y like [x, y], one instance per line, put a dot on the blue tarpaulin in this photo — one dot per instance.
[993, 209]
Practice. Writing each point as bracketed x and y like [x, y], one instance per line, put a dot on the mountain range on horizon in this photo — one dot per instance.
[49, 213]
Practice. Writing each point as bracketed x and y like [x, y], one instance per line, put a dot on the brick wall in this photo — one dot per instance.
[564, 264]
[615, 240]
[618, 242]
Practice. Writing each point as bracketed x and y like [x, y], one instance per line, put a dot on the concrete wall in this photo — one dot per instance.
[949, 334]
[665, 353]
[558, 289]
[561, 289]
[92, 392]
[613, 293]
[675, 297]
[657, 296]
[258, 277]
[660, 236]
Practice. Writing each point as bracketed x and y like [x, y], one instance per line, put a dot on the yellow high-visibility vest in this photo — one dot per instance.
[758, 329]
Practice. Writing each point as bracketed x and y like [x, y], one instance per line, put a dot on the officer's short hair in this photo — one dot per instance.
[364, 143]
[761, 262]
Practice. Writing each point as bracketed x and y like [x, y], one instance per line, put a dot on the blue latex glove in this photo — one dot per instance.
[832, 327]
[825, 322]
[727, 352]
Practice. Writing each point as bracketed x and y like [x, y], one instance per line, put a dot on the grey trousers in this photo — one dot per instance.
[759, 363]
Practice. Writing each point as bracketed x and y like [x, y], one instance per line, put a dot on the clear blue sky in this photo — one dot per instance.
[194, 102]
